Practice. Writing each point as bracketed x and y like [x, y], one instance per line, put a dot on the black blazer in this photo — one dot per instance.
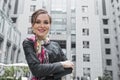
[54, 66]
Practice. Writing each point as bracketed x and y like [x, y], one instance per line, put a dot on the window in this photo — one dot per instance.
[96, 7]
[108, 62]
[85, 20]
[59, 21]
[32, 8]
[111, 1]
[16, 7]
[115, 29]
[119, 17]
[29, 30]
[72, 23]
[114, 21]
[117, 1]
[118, 8]
[73, 45]
[106, 31]
[73, 57]
[84, 9]
[117, 48]
[107, 40]
[105, 21]
[86, 57]
[14, 19]
[85, 31]
[86, 72]
[108, 51]
[85, 44]
[104, 7]
[116, 38]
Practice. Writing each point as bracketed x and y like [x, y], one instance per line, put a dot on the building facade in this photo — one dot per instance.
[97, 42]
[87, 30]
[9, 35]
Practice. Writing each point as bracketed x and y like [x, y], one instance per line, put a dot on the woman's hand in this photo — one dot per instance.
[67, 64]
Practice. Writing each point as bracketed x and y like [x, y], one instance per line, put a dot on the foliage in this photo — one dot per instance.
[9, 72]
[25, 70]
[106, 76]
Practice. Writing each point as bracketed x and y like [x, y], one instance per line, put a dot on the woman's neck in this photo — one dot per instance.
[40, 38]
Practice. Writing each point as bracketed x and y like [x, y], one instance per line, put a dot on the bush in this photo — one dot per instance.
[7, 78]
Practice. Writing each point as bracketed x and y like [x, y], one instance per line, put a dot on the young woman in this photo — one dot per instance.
[45, 58]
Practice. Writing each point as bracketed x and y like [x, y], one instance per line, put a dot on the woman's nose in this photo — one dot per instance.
[41, 25]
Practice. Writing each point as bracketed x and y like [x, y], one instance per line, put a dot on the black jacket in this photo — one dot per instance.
[45, 70]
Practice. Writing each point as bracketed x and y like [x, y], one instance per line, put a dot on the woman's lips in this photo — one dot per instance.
[41, 30]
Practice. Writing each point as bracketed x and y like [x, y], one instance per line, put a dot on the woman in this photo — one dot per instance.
[45, 58]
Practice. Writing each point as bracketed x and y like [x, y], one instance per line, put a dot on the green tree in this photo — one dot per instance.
[106, 76]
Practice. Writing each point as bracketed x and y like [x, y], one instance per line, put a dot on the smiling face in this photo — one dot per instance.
[41, 26]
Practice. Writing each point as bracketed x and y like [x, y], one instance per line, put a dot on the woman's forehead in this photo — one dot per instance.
[42, 16]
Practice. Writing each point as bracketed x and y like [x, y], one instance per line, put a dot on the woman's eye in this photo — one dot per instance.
[46, 22]
[38, 22]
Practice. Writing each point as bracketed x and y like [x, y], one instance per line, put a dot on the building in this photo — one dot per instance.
[87, 30]
[97, 42]
[9, 35]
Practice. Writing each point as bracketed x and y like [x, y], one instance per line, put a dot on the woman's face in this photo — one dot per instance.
[41, 25]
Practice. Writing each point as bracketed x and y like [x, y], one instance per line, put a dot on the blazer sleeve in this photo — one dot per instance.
[37, 69]
[62, 58]
[61, 53]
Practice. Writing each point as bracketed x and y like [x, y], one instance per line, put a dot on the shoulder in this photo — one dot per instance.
[27, 42]
[54, 44]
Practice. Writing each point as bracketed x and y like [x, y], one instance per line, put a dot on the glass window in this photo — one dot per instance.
[96, 7]
[119, 17]
[86, 57]
[85, 20]
[29, 30]
[117, 1]
[107, 40]
[108, 62]
[32, 8]
[84, 9]
[58, 5]
[73, 57]
[104, 7]
[106, 31]
[111, 1]
[62, 21]
[86, 44]
[86, 72]
[85, 31]
[117, 47]
[105, 21]
[16, 7]
[14, 19]
[108, 51]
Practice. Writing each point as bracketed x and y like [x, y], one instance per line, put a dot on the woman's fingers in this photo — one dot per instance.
[67, 64]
